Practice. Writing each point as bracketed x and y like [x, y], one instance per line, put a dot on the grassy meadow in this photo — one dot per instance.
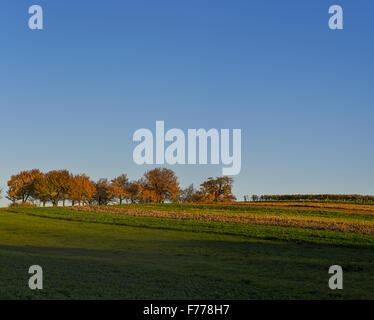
[187, 251]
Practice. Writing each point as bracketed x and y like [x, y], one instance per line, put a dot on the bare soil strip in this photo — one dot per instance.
[360, 228]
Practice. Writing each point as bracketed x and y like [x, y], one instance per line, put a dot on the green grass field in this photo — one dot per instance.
[93, 255]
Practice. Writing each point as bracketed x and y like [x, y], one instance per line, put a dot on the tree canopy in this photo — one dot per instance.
[156, 186]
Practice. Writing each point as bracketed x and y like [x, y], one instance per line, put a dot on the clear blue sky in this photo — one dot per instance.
[72, 95]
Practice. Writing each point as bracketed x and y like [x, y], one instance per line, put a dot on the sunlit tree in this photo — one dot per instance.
[54, 186]
[160, 185]
[217, 190]
[81, 189]
[118, 188]
[22, 185]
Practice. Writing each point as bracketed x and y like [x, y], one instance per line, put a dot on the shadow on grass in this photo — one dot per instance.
[191, 269]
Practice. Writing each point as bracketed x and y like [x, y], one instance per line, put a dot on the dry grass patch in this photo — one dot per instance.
[319, 206]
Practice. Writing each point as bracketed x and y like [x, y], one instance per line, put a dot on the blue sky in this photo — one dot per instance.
[72, 95]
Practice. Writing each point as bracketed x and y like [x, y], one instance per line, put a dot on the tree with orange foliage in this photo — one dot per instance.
[217, 190]
[54, 186]
[41, 190]
[133, 190]
[118, 188]
[160, 185]
[81, 189]
[145, 194]
[21, 186]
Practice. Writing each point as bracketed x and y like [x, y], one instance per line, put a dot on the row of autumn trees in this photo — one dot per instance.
[156, 186]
